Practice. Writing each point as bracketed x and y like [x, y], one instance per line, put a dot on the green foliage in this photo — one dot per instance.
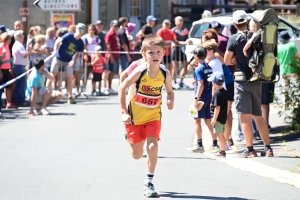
[290, 107]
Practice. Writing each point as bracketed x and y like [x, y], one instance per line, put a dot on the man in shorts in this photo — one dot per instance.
[112, 44]
[65, 48]
[39, 95]
[178, 55]
[247, 94]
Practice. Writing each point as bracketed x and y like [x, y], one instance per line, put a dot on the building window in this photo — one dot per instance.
[135, 8]
[103, 11]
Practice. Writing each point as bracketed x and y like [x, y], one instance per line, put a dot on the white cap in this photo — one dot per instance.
[239, 17]
[206, 13]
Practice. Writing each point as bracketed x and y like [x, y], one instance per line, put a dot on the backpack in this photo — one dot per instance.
[265, 44]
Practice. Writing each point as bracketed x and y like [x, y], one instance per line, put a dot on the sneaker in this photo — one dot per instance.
[111, 91]
[268, 153]
[44, 111]
[247, 154]
[231, 142]
[196, 149]
[149, 190]
[105, 91]
[71, 101]
[176, 86]
[221, 155]
[228, 146]
[240, 139]
[183, 86]
[214, 149]
[11, 105]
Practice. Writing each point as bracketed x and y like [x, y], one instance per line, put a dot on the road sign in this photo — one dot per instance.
[24, 11]
[58, 5]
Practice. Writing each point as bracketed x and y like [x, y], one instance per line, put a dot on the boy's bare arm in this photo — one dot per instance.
[122, 94]
[216, 114]
[169, 90]
[123, 75]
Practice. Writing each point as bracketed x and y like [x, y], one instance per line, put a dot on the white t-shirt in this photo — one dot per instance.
[91, 42]
[216, 66]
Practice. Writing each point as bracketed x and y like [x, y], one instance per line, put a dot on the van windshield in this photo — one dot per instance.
[199, 28]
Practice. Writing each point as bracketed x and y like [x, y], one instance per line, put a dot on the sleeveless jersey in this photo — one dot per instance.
[145, 96]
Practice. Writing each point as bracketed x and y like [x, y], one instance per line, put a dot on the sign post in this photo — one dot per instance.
[58, 5]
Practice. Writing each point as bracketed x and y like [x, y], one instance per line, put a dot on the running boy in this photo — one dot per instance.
[219, 109]
[142, 117]
[203, 92]
[98, 62]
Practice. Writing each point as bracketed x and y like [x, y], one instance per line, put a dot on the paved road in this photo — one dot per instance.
[81, 153]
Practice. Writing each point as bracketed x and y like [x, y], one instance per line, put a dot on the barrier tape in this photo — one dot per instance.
[13, 80]
[112, 52]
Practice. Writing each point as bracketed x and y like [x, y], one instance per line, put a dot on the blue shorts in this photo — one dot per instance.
[124, 62]
[204, 113]
[114, 67]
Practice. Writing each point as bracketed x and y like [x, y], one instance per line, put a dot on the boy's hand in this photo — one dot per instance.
[170, 104]
[213, 122]
[30, 114]
[126, 118]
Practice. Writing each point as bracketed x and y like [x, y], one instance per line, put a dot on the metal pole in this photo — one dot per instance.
[152, 6]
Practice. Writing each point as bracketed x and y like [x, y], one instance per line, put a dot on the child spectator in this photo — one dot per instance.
[203, 92]
[219, 109]
[6, 73]
[98, 62]
[39, 95]
[254, 27]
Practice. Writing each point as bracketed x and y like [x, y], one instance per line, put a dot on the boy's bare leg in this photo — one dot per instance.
[47, 97]
[137, 150]
[152, 150]
[222, 141]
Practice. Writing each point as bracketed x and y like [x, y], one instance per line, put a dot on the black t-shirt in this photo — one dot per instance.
[220, 99]
[147, 30]
[123, 38]
[236, 44]
[101, 35]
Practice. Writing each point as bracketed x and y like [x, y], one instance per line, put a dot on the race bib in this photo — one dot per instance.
[147, 101]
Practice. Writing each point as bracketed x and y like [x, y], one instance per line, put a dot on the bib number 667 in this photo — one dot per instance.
[149, 101]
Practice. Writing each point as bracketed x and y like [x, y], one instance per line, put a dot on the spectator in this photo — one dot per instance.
[206, 14]
[168, 36]
[247, 94]
[90, 40]
[286, 52]
[65, 48]
[20, 56]
[30, 36]
[2, 29]
[39, 95]
[112, 44]
[147, 29]
[125, 48]
[39, 50]
[101, 34]
[132, 42]
[178, 54]
[6, 73]
[98, 62]
[50, 41]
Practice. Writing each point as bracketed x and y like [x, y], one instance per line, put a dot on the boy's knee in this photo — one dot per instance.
[153, 147]
[137, 155]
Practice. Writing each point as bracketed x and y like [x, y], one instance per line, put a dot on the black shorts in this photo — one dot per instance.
[97, 77]
[167, 59]
[7, 76]
[267, 93]
[178, 55]
[230, 91]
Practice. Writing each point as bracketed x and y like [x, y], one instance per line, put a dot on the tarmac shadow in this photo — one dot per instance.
[59, 114]
[170, 157]
[178, 195]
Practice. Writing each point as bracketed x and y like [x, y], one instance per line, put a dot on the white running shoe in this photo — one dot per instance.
[176, 86]
[44, 111]
[111, 91]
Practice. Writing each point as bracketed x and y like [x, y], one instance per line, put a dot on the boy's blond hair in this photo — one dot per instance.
[5, 37]
[40, 38]
[210, 45]
[152, 40]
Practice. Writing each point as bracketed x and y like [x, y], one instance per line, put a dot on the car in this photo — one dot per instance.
[199, 26]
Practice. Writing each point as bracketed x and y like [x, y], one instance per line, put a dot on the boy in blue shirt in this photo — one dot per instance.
[203, 92]
[39, 95]
[65, 48]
